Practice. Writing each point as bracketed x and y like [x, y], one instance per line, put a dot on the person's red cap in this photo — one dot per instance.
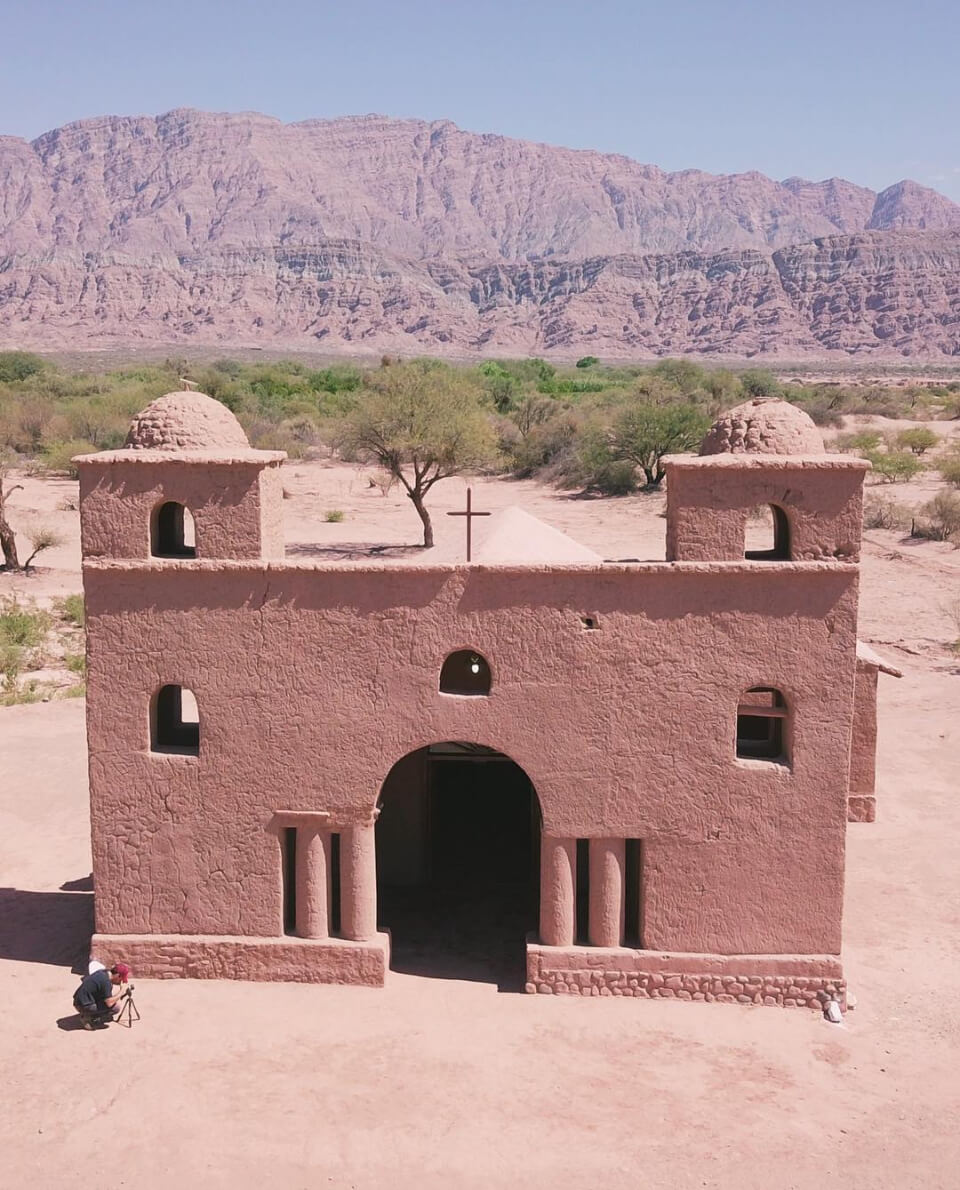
[122, 970]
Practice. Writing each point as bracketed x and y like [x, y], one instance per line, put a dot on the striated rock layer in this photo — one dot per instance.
[373, 234]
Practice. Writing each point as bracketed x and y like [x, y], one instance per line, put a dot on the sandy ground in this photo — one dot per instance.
[435, 1082]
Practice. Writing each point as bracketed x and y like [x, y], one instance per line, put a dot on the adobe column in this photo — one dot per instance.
[313, 882]
[558, 881]
[606, 892]
[358, 883]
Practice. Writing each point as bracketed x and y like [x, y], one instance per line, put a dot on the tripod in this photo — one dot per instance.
[129, 1012]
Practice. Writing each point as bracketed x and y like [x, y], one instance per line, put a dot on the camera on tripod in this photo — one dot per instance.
[129, 1011]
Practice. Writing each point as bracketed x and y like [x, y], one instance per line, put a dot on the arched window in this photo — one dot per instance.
[172, 532]
[465, 672]
[762, 725]
[767, 537]
[175, 721]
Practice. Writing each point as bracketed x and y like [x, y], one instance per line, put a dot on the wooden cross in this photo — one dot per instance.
[469, 514]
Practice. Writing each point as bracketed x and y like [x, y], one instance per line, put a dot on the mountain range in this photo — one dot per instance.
[366, 234]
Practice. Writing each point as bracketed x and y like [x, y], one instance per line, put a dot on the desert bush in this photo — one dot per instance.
[18, 365]
[861, 440]
[22, 626]
[587, 361]
[42, 538]
[893, 466]
[949, 468]
[918, 439]
[383, 481]
[758, 382]
[940, 518]
[75, 662]
[881, 512]
[70, 608]
[19, 695]
[11, 665]
[58, 456]
[951, 610]
[333, 516]
[78, 691]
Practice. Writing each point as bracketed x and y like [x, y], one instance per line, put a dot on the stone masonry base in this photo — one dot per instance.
[861, 807]
[803, 981]
[294, 960]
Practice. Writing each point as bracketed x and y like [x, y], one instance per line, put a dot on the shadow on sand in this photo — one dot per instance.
[47, 927]
[351, 551]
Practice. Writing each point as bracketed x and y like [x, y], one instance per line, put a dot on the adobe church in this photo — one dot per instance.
[639, 773]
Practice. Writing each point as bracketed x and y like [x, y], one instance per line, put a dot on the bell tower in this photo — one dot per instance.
[185, 485]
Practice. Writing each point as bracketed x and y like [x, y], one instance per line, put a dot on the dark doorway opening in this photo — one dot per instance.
[458, 842]
[767, 536]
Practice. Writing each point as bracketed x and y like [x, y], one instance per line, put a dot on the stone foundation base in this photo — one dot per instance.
[861, 807]
[287, 959]
[801, 981]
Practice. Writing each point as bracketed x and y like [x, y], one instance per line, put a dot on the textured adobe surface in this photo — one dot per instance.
[710, 500]
[763, 426]
[186, 421]
[313, 680]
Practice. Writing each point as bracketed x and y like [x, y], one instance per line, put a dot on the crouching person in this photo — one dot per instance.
[95, 999]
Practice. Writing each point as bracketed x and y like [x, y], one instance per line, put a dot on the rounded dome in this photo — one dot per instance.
[764, 425]
[186, 421]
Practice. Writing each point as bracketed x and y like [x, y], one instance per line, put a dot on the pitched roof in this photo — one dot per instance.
[514, 536]
[869, 657]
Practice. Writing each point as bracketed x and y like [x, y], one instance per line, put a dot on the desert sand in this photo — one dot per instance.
[446, 1082]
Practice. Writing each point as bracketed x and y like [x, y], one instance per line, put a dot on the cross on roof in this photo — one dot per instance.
[469, 514]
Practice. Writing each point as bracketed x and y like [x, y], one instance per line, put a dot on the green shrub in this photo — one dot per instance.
[11, 665]
[949, 468]
[894, 466]
[58, 456]
[758, 382]
[587, 361]
[32, 692]
[18, 365]
[70, 608]
[333, 516]
[917, 439]
[21, 625]
[862, 440]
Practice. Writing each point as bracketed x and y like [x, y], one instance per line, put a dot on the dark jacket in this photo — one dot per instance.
[93, 991]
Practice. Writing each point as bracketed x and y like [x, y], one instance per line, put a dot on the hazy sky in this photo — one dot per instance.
[869, 91]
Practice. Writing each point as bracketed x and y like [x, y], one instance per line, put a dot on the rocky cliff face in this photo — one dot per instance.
[373, 234]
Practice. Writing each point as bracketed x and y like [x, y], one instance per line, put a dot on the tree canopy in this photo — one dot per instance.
[421, 422]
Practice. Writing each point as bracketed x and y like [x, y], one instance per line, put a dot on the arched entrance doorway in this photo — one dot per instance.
[458, 841]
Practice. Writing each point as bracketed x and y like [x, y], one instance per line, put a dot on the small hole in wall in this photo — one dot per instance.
[590, 622]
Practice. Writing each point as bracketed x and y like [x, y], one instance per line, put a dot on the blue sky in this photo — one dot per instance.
[866, 91]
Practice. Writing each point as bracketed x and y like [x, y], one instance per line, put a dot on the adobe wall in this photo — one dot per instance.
[312, 681]
[236, 505]
[709, 501]
[863, 745]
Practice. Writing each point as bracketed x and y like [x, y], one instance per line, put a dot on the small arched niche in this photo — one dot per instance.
[767, 535]
[175, 721]
[465, 672]
[172, 531]
[762, 726]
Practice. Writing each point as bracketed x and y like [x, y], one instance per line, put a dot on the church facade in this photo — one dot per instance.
[659, 758]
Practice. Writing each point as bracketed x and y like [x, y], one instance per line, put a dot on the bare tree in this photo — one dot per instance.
[8, 542]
